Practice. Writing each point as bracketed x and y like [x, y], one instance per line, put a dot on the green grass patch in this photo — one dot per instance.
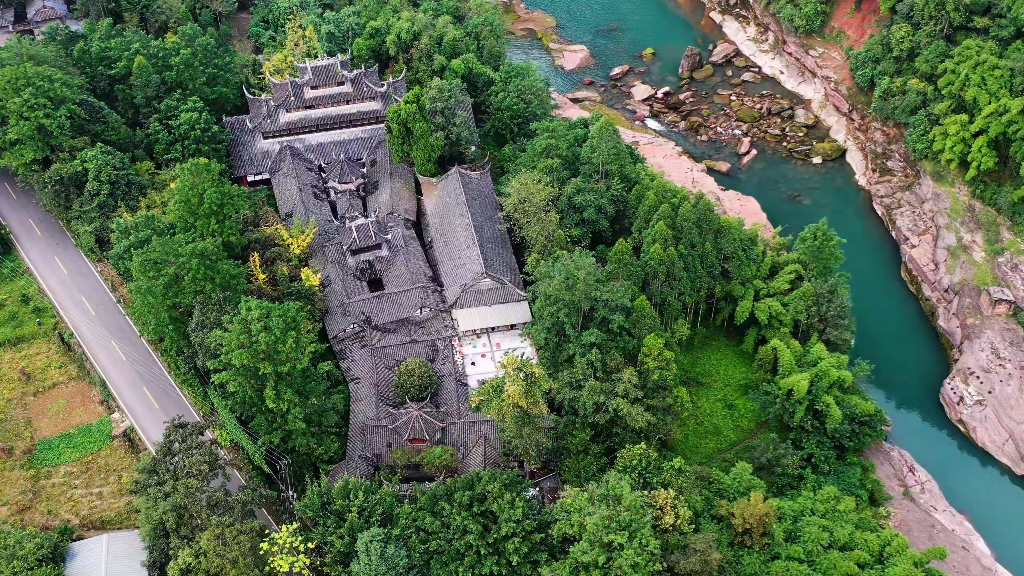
[21, 303]
[984, 277]
[720, 378]
[73, 445]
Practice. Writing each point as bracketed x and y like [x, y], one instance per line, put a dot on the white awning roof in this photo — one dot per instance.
[491, 316]
[113, 554]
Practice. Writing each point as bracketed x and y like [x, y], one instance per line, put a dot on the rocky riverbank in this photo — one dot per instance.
[938, 230]
[722, 100]
[922, 514]
[666, 157]
[523, 21]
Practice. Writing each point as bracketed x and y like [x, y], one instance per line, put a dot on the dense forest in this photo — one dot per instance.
[634, 284]
[953, 74]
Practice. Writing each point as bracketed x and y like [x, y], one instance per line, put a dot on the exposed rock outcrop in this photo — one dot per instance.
[703, 73]
[641, 92]
[619, 72]
[723, 53]
[923, 515]
[584, 96]
[568, 56]
[718, 165]
[983, 393]
[692, 60]
[666, 157]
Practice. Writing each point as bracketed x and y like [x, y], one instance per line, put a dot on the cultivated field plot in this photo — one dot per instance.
[57, 459]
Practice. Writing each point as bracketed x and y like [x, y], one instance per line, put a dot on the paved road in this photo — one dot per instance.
[132, 371]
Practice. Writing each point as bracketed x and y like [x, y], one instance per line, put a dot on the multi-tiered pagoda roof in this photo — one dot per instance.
[328, 112]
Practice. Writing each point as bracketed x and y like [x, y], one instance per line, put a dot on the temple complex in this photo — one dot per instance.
[401, 277]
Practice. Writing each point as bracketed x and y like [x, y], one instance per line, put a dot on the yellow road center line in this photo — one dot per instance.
[116, 347]
[151, 397]
[65, 270]
[34, 227]
[87, 306]
[9, 190]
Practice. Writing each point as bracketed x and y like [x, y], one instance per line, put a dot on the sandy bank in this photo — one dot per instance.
[664, 156]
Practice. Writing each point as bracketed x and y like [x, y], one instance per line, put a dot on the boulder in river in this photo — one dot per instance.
[740, 62]
[718, 166]
[694, 122]
[703, 73]
[748, 158]
[641, 92]
[723, 53]
[751, 77]
[803, 117]
[692, 60]
[828, 150]
[584, 96]
[637, 107]
[647, 54]
[743, 147]
[749, 115]
[570, 57]
[619, 72]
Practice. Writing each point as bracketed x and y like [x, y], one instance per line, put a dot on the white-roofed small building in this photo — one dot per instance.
[111, 554]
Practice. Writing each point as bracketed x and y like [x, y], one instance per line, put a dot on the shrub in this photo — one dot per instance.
[439, 459]
[801, 16]
[31, 552]
[414, 381]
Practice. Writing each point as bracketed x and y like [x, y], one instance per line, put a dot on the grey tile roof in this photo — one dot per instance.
[252, 154]
[112, 554]
[467, 240]
[42, 10]
[329, 112]
[383, 302]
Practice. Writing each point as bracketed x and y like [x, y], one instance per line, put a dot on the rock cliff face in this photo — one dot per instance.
[922, 514]
[941, 243]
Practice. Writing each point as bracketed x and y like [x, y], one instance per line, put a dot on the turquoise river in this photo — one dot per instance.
[893, 332]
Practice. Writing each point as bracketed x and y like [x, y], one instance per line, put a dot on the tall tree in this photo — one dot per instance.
[169, 275]
[517, 99]
[182, 129]
[378, 554]
[203, 204]
[225, 548]
[338, 515]
[528, 204]
[515, 400]
[40, 108]
[181, 492]
[480, 523]
[31, 552]
[269, 369]
[608, 530]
